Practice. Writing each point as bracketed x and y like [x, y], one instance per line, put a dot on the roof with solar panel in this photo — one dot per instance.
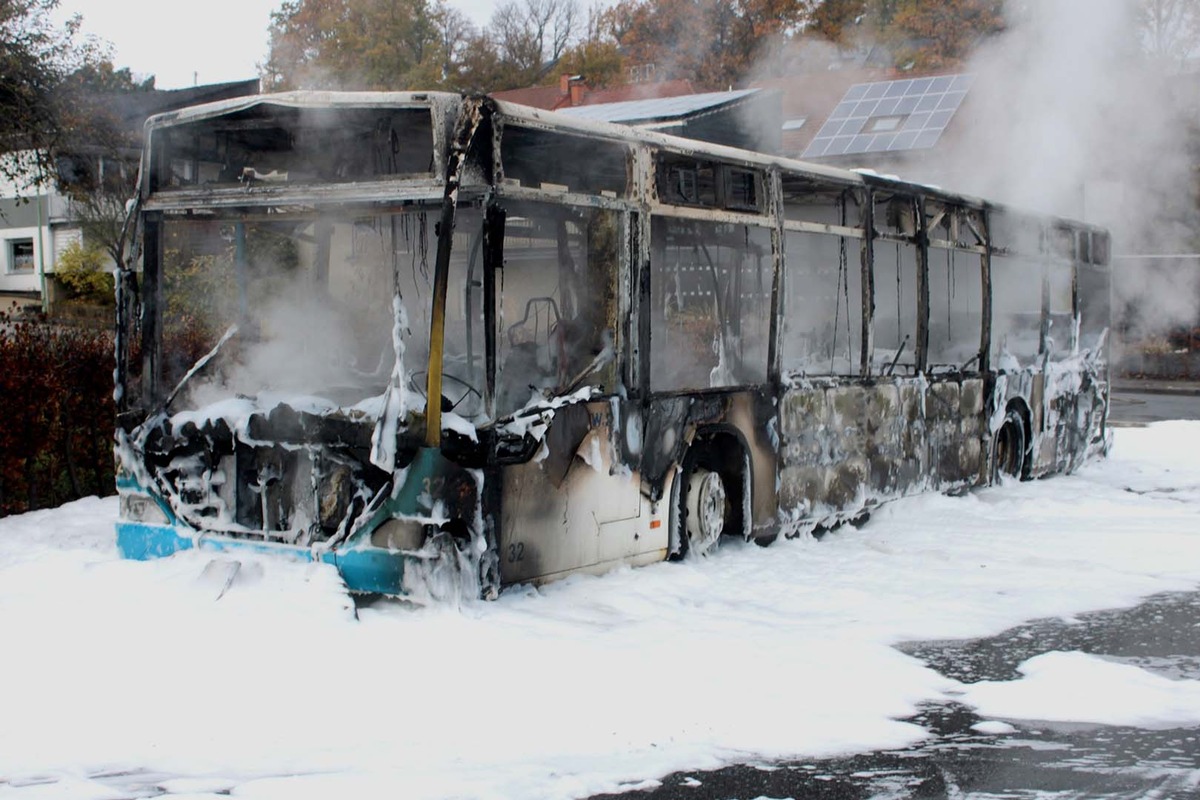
[890, 116]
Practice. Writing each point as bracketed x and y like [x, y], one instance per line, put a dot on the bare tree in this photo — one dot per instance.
[1170, 29]
[532, 35]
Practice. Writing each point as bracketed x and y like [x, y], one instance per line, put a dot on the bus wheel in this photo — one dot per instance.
[705, 507]
[1008, 451]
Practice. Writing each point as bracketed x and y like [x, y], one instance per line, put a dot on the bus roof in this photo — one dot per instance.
[552, 120]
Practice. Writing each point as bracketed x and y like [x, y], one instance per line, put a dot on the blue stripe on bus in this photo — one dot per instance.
[368, 570]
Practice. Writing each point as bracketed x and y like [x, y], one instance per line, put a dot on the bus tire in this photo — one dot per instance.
[709, 500]
[705, 511]
[1008, 448]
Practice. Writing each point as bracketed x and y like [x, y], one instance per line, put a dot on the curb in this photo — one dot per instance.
[1154, 387]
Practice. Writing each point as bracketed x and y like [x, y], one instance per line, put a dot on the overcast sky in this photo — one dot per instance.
[182, 42]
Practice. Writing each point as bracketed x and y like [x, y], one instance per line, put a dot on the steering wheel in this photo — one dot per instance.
[467, 389]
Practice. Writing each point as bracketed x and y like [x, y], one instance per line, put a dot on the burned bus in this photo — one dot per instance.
[448, 344]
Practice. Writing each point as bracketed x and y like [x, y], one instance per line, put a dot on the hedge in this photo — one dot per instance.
[56, 412]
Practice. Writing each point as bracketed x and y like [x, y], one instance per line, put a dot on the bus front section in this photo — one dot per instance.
[281, 313]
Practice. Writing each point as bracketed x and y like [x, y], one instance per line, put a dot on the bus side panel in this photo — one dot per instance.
[575, 506]
[846, 448]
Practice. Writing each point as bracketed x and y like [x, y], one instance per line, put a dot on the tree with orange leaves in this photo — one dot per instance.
[937, 34]
[714, 43]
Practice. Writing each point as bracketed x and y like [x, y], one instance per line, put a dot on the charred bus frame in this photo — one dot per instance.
[636, 344]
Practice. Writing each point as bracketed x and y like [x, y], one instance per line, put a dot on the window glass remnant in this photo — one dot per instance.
[557, 297]
[269, 144]
[822, 312]
[545, 160]
[1094, 304]
[955, 309]
[710, 298]
[1016, 310]
[1061, 278]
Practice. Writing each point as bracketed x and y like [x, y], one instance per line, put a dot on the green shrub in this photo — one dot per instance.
[81, 271]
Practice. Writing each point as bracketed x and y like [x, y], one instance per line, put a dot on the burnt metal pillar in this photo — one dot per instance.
[775, 211]
[921, 351]
[868, 285]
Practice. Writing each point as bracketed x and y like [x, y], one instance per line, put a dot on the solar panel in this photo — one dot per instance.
[890, 116]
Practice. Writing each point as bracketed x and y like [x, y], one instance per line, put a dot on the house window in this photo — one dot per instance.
[884, 124]
[794, 124]
[20, 255]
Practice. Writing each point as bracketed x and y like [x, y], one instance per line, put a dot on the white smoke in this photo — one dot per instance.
[1067, 116]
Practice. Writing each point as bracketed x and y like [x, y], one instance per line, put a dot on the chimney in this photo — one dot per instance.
[577, 87]
[564, 83]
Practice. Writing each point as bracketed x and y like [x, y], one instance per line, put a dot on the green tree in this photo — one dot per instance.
[82, 271]
[363, 44]
[36, 56]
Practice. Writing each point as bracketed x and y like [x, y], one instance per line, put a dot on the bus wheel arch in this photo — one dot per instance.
[710, 496]
[1012, 443]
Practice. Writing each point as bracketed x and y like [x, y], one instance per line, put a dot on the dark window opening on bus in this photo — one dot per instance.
[1094, 307]
[805, 200]
[270, 144]
[562, 162]
[710, 299]
[557, 299]
[686, 181]
[741, 189]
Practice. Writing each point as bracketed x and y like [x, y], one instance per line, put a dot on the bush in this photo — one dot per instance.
[56, 413]
[81, 271]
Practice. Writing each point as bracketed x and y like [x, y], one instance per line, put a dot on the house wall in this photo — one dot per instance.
[20, 271]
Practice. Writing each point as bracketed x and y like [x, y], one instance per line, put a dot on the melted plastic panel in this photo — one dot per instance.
[710, 301]
[557, 300]
[822, 318]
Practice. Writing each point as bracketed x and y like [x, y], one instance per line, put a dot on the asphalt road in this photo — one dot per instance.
[1141, 407]
[1038, 760]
